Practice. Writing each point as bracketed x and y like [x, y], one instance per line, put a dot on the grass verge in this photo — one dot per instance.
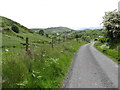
[44, 67]
[111, 53]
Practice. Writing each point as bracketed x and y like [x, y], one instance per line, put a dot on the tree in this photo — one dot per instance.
[76, 36]
[46, 35]
[15, 29]
[111, 23]
[41, 32]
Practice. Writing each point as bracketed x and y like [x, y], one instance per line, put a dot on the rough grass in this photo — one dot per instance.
[112, 53]
[14, 41]
[45, 67]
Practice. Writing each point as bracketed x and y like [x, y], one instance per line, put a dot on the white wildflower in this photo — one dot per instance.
[39, 76]
[33, 74]
[6, 50]
[117, 25]
[43, 55]
[61, 51]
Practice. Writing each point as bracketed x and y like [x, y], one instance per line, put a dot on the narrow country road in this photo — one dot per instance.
[92, 69]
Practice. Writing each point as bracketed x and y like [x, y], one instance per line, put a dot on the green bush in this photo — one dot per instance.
[41, 32]
[15, 29]
[113, 53]
[103, 39]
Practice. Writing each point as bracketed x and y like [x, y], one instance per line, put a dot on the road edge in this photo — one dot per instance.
[70, 71]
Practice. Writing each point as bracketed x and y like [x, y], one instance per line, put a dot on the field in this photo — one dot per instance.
[44, 67]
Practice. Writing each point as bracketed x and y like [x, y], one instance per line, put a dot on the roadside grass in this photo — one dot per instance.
[45, 67]
[114, 54]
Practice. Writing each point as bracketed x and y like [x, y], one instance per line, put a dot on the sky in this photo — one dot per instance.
[74, 14]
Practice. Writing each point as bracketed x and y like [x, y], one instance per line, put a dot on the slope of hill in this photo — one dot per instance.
[14, 34]
[7, 25]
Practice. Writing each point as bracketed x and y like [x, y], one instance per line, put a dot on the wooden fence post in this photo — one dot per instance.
[27, 44]
[118, 54]
[77, 39]
[52, 43]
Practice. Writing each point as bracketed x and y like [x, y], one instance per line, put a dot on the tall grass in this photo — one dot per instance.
[46, 67]
[113, 53]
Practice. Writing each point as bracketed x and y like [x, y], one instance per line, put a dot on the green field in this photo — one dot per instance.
[45, 67]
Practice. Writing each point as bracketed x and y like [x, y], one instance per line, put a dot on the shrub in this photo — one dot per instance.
[15, 29]
[41, 32]
[111, 23]
[103, 39]
[46, 35]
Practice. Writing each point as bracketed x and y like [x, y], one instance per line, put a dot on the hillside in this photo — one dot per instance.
[7, 25]
[54, 30]
[14, 34]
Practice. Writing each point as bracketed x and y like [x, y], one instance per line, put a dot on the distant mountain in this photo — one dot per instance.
[54, 29]
[90, 28]
[36, 29]
[57, 30]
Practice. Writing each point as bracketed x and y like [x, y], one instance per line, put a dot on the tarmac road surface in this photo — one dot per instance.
[92, 69]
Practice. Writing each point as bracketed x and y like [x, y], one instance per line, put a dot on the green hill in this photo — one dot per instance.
[14, 34]
[54, 30]
[7, 24]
